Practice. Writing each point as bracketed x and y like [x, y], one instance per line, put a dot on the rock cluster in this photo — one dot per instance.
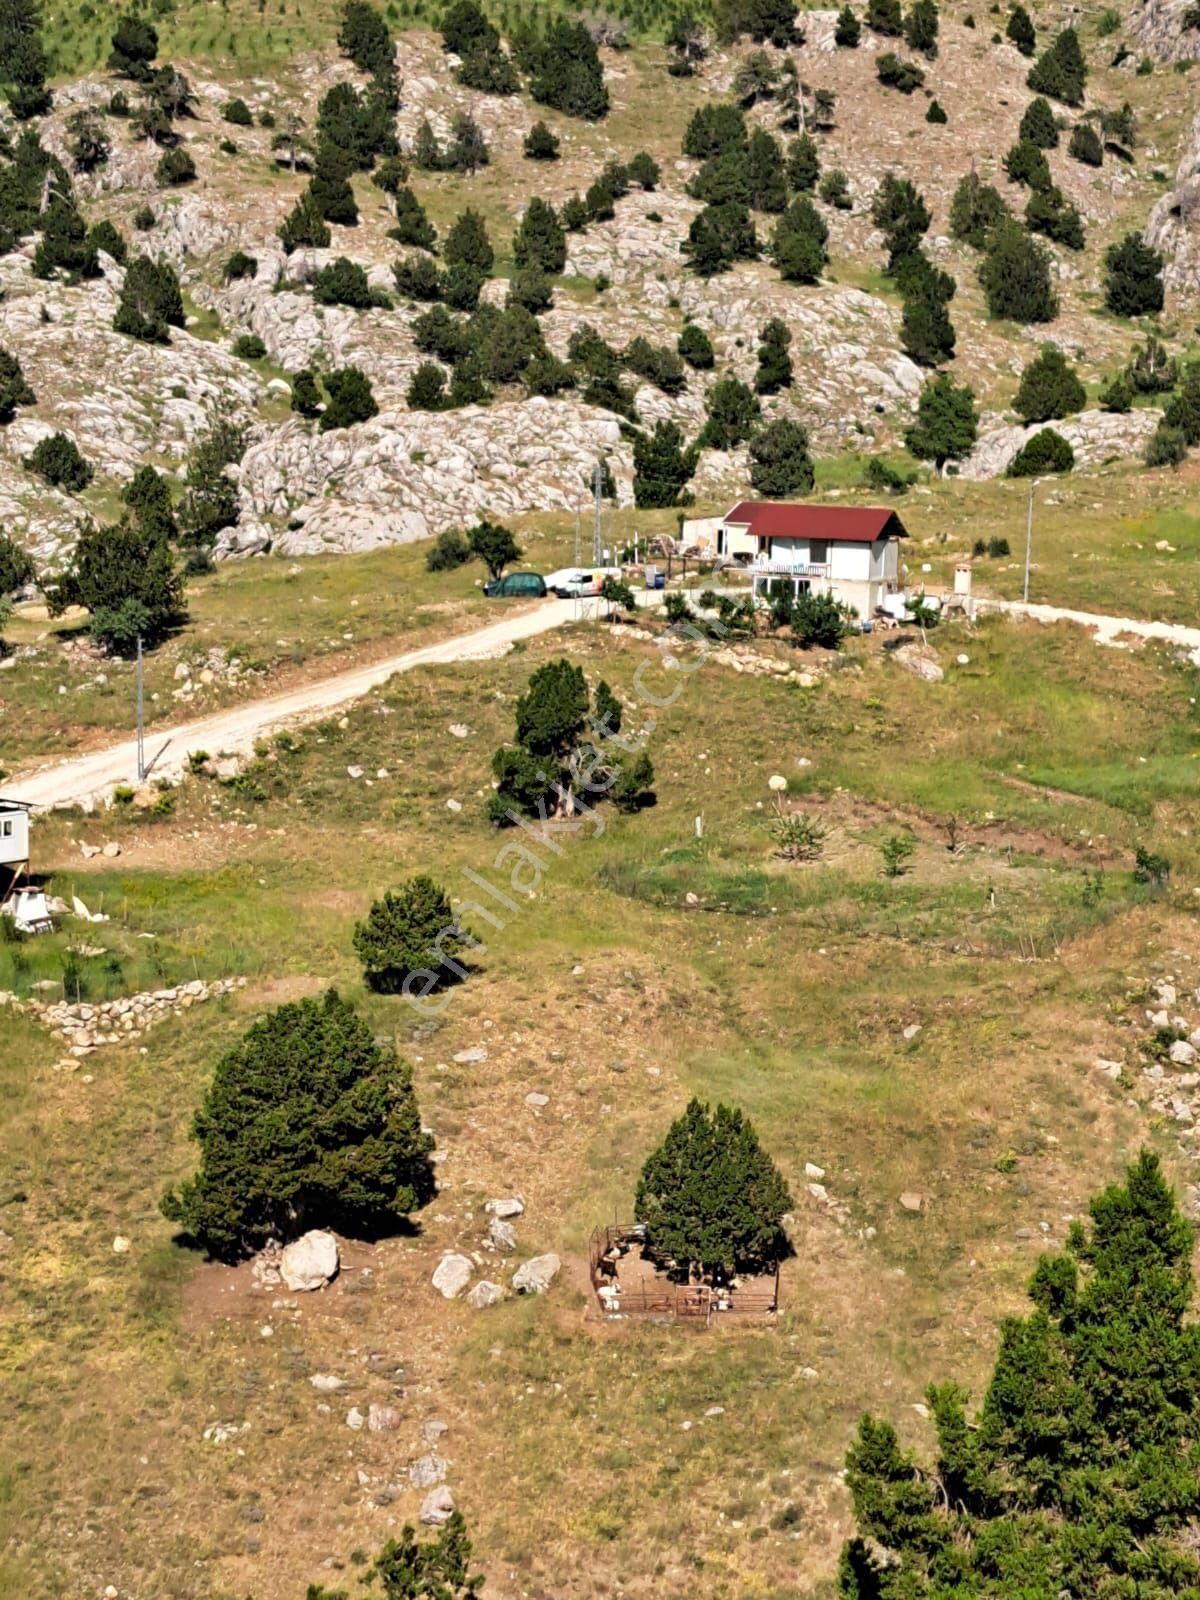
[85, 1027]
[1095, 436]
[1174, 224]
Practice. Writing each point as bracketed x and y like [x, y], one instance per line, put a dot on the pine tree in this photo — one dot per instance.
[539, 240]
[541, 144]
[1046, 451]
[695, 347]
[1049, 388]
[410, 933]
[57, 459]
[848, 30]
[662, 466]
[568, 75]
[804, 163]
[774, 358]
[1060, 71]
[711, 1199]
[350, 399]
[884, 16]
[467, 243]
[947, 423]
[1038, 125]
[1015, 274]
[900, 212]
[1133, 281]
[780, 463]
[308, 1123]
[1050, 213]
[767, 184]
[14, 389]
[151, 302]
[134, 47]
[1020, 31]
[126, 579]
[921, 27]
[413, 227]
[799, 242]
[304, 226]
[732, 411]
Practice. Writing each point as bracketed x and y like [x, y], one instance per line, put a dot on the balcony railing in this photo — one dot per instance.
[775, 567]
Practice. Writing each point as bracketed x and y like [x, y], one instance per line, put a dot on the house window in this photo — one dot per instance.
[818, 552]
[6, 829]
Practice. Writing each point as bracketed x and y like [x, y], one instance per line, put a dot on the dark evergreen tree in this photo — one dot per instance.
[237, 112]
[780, 463]
[539, 240]
[493, 544]
[105, 238]
[936, 113]
[895, 73]
[412, 933]
[848, 30]
[308, 1122]
[714, 127]
[363, 36]
[656, 364]
[804, 163]
[662, 466]
[532, 289]
[567, 74]
[834, 189]
[342, 282]
[1085, 145]
[467, 243]
[1182, 410]
[1050, 213]
[89, 143]
[1049, 388]
[926, 331]
[695, 347]
[126, 579]
[947, 423]
[210, 498]
[304, 226]
[306, 393]
[732, 411]
[350, 399]
[1166, 447]
[1133, 281]
[467, 150]
[413, 227]
[644, 171]
[774, 358]
[14, 389]
[65, 245]
[766, 22]
[329, 191]
[147, 499]
[900, 212]
[151, 302]
[16, 567]
[1151, 370]
[1020, 31]
[1038, 125]
[1026, 164]
[541, 144]
[711, 1200]
[134, 47]
[175, 167]
[1060, 71]
[921, 27]
[885, 17]
[1078, 1475]
[59, 461]
[1015, 275]
[765, 173]
[1046, 451]
[23, 63]
[439, 1569]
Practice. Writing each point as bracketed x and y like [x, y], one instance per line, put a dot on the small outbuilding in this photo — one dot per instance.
[14, 836]
[849, 552]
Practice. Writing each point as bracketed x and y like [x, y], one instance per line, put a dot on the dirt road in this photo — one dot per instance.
[1106, 630]
[234, 730]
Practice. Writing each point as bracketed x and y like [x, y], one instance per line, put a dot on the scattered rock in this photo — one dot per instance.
[1182, 1053]
[326, 1383]
[911, 1031]
[537, 1274]
[355, 1418]
[508, 1206]
[383, 1419]
[428, 1470]
[454, 1272]
[502, 1235]
[472, 1057]
[911, 1201]
[309, 1262]
[537, 1100]
[484, 1294]
[120, 1245]
[437, 1507]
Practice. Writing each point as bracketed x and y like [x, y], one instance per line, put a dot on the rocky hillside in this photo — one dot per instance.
[407, 472]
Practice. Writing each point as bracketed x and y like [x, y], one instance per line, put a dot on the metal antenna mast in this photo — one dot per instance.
[141, 721]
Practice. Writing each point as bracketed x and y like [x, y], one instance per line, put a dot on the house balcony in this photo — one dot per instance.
[777, 567]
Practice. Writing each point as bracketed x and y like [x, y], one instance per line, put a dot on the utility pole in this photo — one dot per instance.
[597, 489]
[578, 531]
[141, 719]
[1028, 543]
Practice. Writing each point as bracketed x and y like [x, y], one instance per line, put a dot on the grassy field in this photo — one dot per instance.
[641, 967]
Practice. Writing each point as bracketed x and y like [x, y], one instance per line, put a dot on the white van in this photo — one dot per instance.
[571, 582]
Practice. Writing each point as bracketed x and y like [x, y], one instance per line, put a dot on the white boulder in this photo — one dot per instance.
[310, 1261]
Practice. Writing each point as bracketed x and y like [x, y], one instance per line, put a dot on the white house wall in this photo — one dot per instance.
[14, 838]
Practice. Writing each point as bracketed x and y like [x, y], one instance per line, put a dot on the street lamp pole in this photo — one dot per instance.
[141, 719]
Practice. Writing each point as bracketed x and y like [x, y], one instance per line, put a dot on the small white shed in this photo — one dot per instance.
[14, 833]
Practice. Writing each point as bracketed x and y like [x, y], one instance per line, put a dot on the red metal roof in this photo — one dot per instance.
[767, 519]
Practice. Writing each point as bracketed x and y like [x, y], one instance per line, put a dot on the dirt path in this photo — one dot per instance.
[1107, 630]
[234, 731]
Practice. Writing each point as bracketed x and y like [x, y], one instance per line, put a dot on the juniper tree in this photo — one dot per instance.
[798, 245]
[1020, 31]
[567, 73]
[900, 212]
[695, 347]
[1046, 451]
[774, 359]
[1038, 125]
[662, 466]
[780, 463]
[412, 931]
[540, 144]
[732, 410]
[151, 302]
[350, 399]
[1049, 388]
[1060, 71]
[58, 460]
[848, 30]
[125, 577]
[947, 423]
[767, 184]
[885, 17]
[134, 47]
[1015, 274]
[308, 1122]
[711, 1200]
[1133, 282]
[539, 240]
[1078, 1474]
[304, 226]
[1026, 163]
[921, 27]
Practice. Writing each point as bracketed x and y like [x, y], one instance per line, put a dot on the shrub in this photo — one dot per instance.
[896, 849]
[1049, 212]
[1047, 451]
[350, 399]
[1085, 145]
[936, 113]
[894, 73]
[1015, 275]
[413, 227]
[134, 47]
[541, 144]
[1117, 394]
[1049, 388]
[797, 836]
[817, 622]
[1026, 164]
[58, 460]
[175, 167]
[644, 171]
[449, 550]
[342, 283]
[144, 219]
[1183, 409]
[884, 16]
[1166, 447]
[239, 265]
[237, 112]
[1154, 869]
[306, 393]
[391, 175]
[880, 475]
[695, 347]
[412, 934]
[780, 463]
[834, 189]
[1133, 282]
[308, 1123]
[711, 1199]
[249, 347]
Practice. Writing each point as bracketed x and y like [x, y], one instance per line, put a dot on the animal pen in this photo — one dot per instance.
[626, 1283]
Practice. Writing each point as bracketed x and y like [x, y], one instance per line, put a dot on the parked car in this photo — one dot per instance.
[570, 582]
[517, 585]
